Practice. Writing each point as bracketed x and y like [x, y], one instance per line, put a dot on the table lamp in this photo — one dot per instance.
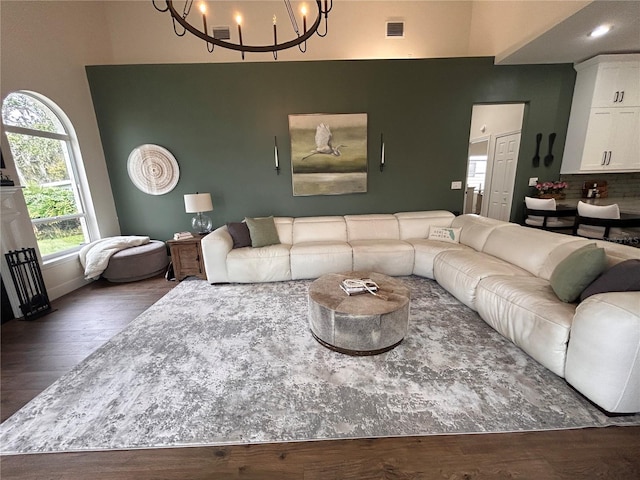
[198, 203]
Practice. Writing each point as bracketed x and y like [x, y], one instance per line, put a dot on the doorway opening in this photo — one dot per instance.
[494, 144]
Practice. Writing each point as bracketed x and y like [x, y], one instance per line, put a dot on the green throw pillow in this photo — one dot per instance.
[576, 272]
[263, 231]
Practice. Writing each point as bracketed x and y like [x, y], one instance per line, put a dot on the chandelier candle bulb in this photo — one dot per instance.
[203, 9]
[275, 33]
[304, 19]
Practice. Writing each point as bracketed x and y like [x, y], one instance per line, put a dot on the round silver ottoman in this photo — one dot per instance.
[137, 263]
[362, 324]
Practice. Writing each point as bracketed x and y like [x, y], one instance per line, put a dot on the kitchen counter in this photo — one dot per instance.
[626, 204]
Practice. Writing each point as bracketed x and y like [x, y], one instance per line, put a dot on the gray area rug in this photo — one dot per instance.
[233, 364]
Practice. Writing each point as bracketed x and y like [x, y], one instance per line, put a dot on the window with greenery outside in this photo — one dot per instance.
[42, 151]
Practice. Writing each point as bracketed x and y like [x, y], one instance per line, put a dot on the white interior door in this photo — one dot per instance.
[503, 175]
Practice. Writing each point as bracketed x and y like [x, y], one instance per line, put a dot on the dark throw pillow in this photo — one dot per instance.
[239, 231]
[263, 231]
[573, 274]
[623, 277]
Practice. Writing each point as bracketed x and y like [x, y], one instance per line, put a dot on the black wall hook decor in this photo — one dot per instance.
[536, 157]
[548, 160]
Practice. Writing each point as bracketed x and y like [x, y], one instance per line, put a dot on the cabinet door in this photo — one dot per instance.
[617, 86]
[625, 141]
[598, 139]
[613, 140]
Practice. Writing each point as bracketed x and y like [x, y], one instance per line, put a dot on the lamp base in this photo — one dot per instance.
[201, 223]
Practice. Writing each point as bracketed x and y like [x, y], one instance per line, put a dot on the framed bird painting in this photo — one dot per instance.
[328, 153]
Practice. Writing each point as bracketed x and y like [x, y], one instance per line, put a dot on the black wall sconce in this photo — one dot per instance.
[381, 152]
[275, 152]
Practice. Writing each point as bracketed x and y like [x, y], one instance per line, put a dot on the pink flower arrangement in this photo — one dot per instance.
[551, 187]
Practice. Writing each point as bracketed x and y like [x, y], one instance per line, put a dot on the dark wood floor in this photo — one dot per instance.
[36, 353]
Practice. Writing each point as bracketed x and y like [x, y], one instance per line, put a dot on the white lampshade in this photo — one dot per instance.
[197, 202]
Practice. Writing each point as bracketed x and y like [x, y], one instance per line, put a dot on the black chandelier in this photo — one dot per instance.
[181, 26]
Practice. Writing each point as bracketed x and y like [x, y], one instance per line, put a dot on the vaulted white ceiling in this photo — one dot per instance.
[515, 32]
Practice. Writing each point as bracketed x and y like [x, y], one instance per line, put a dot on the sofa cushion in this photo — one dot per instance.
[263, 231]
[460, 271]
[239, 232]
[391, 257]
[526, 311]
[314, 259]
[525, 247]
[603, 362]
[476, 229]
[577, 271]
[426, 251]
[372, 227]
[623, 277]
[416, 224]
[319, 229]
[263, 264]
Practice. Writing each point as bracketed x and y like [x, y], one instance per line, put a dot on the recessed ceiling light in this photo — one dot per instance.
[601, 30]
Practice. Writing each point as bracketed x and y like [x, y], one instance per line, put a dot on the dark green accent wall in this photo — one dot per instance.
[219, 121]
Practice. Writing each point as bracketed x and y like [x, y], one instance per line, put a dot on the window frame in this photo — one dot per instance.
[75, 168]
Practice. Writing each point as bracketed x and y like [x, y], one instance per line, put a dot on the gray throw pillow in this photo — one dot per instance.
[240, 234]
[623, 277]
[263, 231]
[573, 274]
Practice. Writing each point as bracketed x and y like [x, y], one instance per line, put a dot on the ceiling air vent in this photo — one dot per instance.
[395, 29]
[221, 33]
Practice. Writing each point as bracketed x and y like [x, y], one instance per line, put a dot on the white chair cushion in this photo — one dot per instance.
[540, 204]
[597, 211]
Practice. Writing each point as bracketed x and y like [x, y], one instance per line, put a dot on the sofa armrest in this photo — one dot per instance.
[603, 356]
[215, 248]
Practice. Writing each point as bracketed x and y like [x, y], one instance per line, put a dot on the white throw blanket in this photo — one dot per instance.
[95, 256]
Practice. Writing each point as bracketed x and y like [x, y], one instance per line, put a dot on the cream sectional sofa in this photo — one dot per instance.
[499, 269]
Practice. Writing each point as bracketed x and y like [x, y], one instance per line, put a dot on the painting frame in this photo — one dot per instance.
[328, 153]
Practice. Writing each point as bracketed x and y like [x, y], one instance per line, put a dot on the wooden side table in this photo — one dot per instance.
[186, 256]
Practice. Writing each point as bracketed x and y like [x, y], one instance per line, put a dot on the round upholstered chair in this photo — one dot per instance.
[137, 263]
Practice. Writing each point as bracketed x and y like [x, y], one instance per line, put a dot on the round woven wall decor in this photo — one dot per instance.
[153, 169]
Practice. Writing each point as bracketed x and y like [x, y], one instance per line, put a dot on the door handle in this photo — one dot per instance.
[604, 157]
[609, 160]
[621, 96]
[615, 98]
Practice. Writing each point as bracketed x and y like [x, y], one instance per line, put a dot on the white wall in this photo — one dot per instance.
[44, 48]
[489, 120]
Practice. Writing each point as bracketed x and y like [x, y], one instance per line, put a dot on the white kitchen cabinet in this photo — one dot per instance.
[617, 85]
[604, 128]
[612, 140]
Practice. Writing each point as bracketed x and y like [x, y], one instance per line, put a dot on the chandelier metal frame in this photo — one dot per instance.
[300, 40]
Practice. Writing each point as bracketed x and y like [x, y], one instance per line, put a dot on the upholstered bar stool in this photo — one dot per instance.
[545, 222]
[598, 211]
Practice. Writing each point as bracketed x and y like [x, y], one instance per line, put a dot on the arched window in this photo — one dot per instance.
[43, 147]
